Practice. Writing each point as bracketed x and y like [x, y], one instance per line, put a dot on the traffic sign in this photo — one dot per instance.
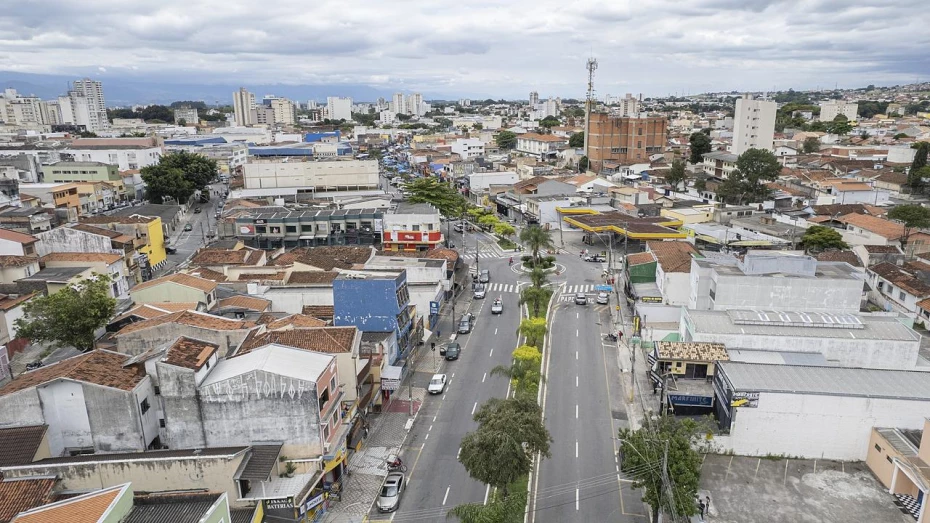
[604, 288]
[434, 307]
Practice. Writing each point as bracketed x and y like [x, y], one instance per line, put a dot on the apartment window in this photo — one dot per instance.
[306, 228]
[416, 227]
[291, 228]
[261, 229]
[901, 295]
[877, 447]
[324, 397]
[161, 423]
[639, 144]
[639, 131]
[332, 384]
[144, 405]
[157, 390]
[326, 431]
[335, 418]
[889, 459]
[880, 285]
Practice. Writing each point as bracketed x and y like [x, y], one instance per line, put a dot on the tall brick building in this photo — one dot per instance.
[625, 140]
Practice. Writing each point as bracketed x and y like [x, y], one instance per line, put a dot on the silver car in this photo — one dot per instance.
[603, 298]
[391, 490]
[480, 291]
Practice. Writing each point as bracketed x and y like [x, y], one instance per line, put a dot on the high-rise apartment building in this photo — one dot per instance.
[285, 112]
[339, 108]
[415, 104]
[624, 140]
[243, 104]
[753, 125]
[830, 110]
[399, 103]
[187, 114]
[534, 98]
[92, 91]
[628, 105]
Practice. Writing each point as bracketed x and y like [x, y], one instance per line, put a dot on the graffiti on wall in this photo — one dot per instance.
[259, 385]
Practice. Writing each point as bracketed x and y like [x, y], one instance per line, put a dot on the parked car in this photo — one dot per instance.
[497, 307]
[480, 291]
[458, 227]
[451, 351]
[466, 323]
[603, 298]
[594, 258]
[484, 276]
[171, 250]
[391, 490]
[188, 227]
[581, 299]
[437, 384]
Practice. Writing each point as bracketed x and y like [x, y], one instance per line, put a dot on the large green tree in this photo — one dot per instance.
[747, 182]
[535, 298]
[840, 125]
[576, 140]
[549, 122]
[510, 432]
[198, 169]
[811, 144]
[441, 195]
[818, 238]
[535, 238]
[920, 156]
[506, 139]
[523, 371]
[71, 316]
[699, 145]
[676, 174]
[534, 329]
[913, 216]
[662, 461]
[162, 182]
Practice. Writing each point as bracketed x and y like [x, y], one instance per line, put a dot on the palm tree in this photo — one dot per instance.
[538, 277]
[536, 239]
[534, 297]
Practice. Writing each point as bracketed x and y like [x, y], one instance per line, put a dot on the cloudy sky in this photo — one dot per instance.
[477, 48]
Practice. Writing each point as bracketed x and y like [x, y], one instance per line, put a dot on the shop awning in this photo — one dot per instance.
[391, 376]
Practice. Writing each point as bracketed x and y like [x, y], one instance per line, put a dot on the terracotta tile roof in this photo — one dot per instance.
[324, 339]
[87, 508]
[20, 495]
[102, 231]
[875, 210]
[311, 277]
[100, 367]
[326, 258]
[844, 186]
[191, 318]
[902, 278]
[530, 183]
[818, 219]
[226, 257]
[257, 276]
[840, 256]
[135, 218]
[172, 306]
[190, 353]
[208, 274]
[924, 304]
[101, 257]
[10, 260]
[639, 258]
[144, 311]
[879, 226]
[542, 137]
[886, 249]
[673, 256]
[245, 302]
[181, 279]
[324, 312]
[892, 177]
[7, 303]
[18, 237]
[292, 321]
[18, 445]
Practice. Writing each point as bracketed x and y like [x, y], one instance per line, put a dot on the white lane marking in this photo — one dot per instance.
[495, 332]
[484, 377]
[446, 497]
[457, 454]
[577, 494]
[576, 355]
[576, 381]
[473, 408]
[577, 315]
[434, 418]
[576, 447]
[443, 396]
[453, 375]
[576, 414]
[486, 492]
[576, 333]
[427, 437]
[492, 353]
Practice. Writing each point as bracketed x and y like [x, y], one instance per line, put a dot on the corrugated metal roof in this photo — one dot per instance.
[833, 381]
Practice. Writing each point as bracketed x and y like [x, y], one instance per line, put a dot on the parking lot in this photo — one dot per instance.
[748, 490]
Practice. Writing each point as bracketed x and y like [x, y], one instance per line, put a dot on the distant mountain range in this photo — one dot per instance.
[139, 90]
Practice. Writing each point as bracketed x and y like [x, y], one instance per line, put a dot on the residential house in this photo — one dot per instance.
[148, 231]
[542, 146]
[11, 309]
[23, 444]
[20, 495]
[53, 279]
[13, 267]
[178, 287]
[60, 196]
[875, 254]
[900, 459]
[141, 336]
[864, 229]
[28, 220]
[93, 402]
[87, 238]
[219, 259]
[100, 263]
[719, 164]
[240, 307]
[590, 184]
[901, 288]
[17, 244]
[544, 209]
[845, 191]
[690, 214]
[673, 269]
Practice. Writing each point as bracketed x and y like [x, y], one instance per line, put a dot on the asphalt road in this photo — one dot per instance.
[583, 408]
[202, 224]
[437, 481]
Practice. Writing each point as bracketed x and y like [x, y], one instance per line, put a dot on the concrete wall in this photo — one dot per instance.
[259, 406]
[11, 248]
[421, 295]
[169, 292]
[179, 401]
[64, 239]
[795, 294]
[658, 313]
[675, 286]
[819, 427]
[135, 343]
[879, 451]
[292, 299]
[11, 274]
[146, 474]
[353, 173]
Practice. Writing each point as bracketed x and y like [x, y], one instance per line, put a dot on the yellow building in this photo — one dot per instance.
[97, 196]
[147, 231]
[688, 215]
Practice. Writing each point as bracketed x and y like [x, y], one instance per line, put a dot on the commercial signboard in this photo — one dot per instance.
[745, 400]
[691, 401]
[651, 299]
[433, 307]
[280, 509]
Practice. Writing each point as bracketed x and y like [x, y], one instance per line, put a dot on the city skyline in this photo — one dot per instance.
[655, 49]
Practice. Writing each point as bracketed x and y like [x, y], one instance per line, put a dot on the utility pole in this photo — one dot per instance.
[589, 101]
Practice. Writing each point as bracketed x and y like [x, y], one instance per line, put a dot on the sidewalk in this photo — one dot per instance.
[387, 436]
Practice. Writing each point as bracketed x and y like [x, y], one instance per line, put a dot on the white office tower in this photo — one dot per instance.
[338, 108]
[534, 98]
[284, 110]
[92, 91]
[753, 125]
[243, 104]
[311, 105]
[399, 103]
[830, 110]
[415, 104]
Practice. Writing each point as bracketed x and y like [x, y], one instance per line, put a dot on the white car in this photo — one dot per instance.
[603, 298]
[437, 384]
[497, 307]
[480, 291]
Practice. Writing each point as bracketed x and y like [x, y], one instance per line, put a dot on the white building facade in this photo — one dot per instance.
[338, 108]
[753, 125]
[311, 175]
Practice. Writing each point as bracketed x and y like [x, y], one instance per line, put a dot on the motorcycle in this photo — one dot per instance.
[611, 337]
[396, 465]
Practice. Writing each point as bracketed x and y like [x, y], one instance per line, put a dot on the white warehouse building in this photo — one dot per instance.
[320, 175]
[813, 412]
[874, 341]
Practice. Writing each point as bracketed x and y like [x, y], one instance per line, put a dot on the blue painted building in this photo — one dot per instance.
[318, 137]
[378, 301]
[199, 141]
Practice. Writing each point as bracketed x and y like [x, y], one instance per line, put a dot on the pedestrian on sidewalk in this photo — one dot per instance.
[702, 507]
